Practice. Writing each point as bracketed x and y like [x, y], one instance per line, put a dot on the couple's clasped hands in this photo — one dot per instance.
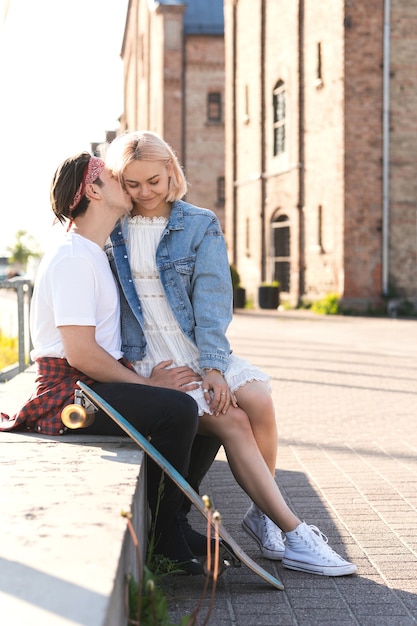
[216, 391]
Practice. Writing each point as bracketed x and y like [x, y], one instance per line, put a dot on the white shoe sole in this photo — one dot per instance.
[321, 570]
[272, 555]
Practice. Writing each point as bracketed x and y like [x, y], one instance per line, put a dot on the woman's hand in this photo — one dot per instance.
[217, 393]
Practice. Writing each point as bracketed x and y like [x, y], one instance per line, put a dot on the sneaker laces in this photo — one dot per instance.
[272, 531]
[320, 543]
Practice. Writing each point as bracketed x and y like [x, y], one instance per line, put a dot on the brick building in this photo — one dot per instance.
[173, 57]
[321, 147]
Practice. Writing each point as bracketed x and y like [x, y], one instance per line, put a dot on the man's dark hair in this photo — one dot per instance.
[65, 183]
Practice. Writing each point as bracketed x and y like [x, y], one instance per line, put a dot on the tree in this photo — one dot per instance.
[24, 248]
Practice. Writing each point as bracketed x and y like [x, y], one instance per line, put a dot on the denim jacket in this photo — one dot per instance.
[192, 261]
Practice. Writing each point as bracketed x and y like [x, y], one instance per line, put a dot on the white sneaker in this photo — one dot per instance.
[267, 534]
[307, 550]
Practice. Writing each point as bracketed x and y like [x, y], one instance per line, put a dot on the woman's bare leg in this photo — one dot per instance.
[247, 464]
[255, 399]
[305, 547]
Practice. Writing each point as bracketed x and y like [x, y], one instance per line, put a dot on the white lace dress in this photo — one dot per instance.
[164, 337]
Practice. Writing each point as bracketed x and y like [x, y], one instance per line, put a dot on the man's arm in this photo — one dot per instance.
[83, 352]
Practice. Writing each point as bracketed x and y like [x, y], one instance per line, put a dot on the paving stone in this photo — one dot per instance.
[345, 392]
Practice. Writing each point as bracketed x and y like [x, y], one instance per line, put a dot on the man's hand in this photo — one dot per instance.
[180, 378]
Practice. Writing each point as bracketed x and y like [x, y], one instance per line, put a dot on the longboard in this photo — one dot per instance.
[179, 480]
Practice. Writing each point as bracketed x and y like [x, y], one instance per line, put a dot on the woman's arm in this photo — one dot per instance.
[211, 299]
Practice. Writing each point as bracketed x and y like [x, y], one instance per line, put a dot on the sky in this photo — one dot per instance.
[61, 88]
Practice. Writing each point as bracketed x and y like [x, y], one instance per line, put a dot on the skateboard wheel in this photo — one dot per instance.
[223, 565]
[227, 559]
[75, 416]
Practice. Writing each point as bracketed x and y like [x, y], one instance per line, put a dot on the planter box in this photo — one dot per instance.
[268, 297]
[239, 298]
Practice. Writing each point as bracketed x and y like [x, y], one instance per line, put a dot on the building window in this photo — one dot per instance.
[221, 191]
[319, 68]
[247, 237]
[214, 106]
[280, 251]
[278, 103]
[141, 54]
[320, 228]
[246, 117]
[319, 71]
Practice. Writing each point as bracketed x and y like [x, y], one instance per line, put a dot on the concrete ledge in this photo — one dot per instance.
[65, 548]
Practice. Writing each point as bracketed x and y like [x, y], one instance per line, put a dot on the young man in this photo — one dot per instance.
[75, 328]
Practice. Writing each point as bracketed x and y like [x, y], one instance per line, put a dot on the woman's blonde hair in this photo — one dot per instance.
[144, 145]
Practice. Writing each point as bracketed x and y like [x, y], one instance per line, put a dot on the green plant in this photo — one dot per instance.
[234, 274]
[147, 601]
[23, 249]
[274, 283]
[329, 305]
[154, 605]
[285, 305]
[304, 304]
[153, 609]
[8, 351]
[147, 604]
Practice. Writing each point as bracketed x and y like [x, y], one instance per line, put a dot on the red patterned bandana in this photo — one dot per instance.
[92, 171]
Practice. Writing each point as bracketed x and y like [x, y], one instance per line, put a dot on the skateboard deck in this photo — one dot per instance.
[232, 547]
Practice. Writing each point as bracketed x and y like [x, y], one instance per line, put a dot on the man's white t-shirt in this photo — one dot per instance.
[74, 287]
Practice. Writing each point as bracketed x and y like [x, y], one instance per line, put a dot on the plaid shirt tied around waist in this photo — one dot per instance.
[55, 384]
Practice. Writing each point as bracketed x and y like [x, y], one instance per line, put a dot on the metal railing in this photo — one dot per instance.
[23, 288]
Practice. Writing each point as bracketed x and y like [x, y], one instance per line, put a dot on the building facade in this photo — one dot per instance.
[321, 147]
[173, 57]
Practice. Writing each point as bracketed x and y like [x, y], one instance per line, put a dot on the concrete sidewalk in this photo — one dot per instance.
[345, 391]
[65, 549]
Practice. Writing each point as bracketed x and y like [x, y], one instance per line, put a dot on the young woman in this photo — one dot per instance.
[171, 263]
